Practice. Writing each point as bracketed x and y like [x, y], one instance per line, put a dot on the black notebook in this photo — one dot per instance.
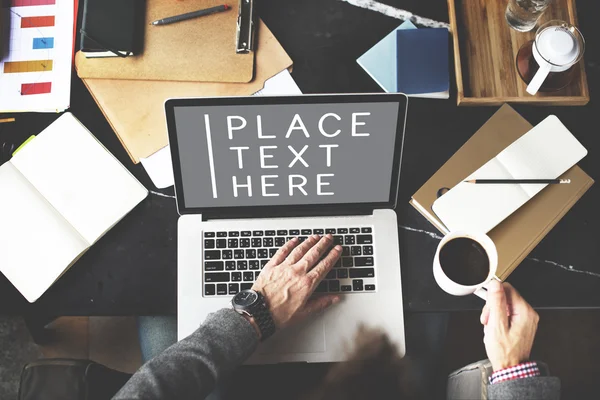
[112, 28]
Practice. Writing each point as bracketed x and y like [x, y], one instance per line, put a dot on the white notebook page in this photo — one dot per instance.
[79, 177]
[545, 152]
[36, 243]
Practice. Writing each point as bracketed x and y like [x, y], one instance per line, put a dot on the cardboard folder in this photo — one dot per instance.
[135, 109]
[200, 49]
[517, 235]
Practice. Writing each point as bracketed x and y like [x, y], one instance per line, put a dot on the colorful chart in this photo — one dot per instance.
[36, 88]
[35, 74]
[15, 67]
[25, 3]
[37, 22]
[43, 43]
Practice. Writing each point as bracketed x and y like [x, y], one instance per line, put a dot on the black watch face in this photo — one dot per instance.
[245, 298]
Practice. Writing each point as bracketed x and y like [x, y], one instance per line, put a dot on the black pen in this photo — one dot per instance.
[190, 15]
[521, 181]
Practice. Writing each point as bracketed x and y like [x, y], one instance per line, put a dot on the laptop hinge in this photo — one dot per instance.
[231, 214]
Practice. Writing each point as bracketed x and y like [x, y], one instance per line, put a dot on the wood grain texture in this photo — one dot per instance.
[485, 49]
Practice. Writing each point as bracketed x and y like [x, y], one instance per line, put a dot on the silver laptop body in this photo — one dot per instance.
[233, 219]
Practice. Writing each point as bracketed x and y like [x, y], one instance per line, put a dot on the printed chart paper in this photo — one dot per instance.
[35, 72]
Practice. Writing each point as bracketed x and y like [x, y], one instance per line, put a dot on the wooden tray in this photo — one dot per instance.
[485, 50]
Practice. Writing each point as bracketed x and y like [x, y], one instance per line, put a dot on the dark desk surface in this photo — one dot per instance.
[132, 270]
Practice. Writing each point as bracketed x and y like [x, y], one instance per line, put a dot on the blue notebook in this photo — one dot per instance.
[380, 60]
[422, 64]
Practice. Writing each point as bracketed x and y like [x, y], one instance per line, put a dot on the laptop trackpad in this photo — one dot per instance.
[308, 337]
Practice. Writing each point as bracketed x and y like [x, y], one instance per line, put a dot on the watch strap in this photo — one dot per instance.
[263, 319]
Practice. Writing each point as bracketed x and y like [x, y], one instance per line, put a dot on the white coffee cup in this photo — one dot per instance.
[454, 288]
[558, 46]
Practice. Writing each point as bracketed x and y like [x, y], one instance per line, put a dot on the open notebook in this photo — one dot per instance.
[59, 195]
[545, 152]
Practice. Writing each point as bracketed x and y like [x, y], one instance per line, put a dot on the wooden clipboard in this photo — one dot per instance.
[197, 50]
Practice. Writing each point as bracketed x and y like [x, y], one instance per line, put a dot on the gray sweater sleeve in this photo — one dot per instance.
[541, 387]
[190, 368]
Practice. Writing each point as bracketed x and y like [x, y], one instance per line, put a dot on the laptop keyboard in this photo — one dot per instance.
[233, 259]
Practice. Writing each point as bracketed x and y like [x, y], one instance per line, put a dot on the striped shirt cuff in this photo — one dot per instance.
[524, 370]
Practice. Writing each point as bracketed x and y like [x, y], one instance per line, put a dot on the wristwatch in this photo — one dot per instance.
[252, 304]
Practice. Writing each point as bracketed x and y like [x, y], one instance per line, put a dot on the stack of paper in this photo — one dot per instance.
[134, 108]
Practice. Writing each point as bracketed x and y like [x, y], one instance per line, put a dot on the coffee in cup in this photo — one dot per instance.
[464, 263]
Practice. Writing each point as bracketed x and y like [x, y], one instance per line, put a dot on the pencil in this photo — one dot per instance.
[190, 15]
[520, 181]
[7, 120]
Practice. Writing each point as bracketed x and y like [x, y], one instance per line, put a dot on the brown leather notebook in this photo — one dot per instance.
[199, 50]
[135, 109]
[517, 235]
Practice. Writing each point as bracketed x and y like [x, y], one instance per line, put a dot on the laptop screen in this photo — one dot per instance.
[248, 155]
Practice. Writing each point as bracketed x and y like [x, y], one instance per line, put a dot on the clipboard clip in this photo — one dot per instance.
[245, 27]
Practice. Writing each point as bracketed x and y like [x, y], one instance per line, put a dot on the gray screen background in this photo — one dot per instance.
[362, 165]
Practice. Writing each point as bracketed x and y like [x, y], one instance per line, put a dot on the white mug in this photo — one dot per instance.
[558, 45]
[456, 289]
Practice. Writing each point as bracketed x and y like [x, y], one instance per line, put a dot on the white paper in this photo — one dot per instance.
[40, 44]
[159, 166]
[281, 84]
[79, 177]
[545, 152]
[36, 243]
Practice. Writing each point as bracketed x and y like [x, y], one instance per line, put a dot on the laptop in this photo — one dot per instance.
[253, 172]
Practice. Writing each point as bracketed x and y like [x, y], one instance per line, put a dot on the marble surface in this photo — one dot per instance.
[132, 270]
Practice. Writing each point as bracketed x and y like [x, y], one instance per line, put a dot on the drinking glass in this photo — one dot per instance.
[522, 15]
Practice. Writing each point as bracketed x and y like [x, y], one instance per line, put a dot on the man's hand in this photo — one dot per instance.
[291, 276]
[509, 326]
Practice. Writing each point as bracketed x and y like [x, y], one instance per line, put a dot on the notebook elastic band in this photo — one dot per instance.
[103, 45]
